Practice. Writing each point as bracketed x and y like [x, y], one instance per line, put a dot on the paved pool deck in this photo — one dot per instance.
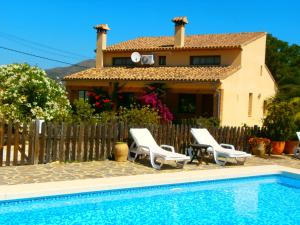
[60, 178]
[52, 172]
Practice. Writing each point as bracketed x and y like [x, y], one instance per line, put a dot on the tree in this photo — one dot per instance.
[283, 60]
[26, 93]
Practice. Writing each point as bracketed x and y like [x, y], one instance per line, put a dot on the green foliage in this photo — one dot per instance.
[26, 93]
[107, 117]
[207, 122]
[283, 60]
[139, 115]
[279, 122]
[83, 111]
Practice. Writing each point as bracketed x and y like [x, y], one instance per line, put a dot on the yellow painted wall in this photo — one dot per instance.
[253, 77]
[182, 58]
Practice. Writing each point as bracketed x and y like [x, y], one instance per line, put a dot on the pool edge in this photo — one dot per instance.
[11, 192]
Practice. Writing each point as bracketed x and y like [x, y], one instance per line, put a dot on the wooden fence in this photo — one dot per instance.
[27, 145]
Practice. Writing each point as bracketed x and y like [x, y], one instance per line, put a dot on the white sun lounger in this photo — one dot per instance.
[144, 144]
[297, 150]
[223, 151]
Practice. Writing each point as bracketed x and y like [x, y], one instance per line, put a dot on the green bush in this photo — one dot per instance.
[139, 115]
[83, 112]
[107, 117]
[207, 122]
[280, 120]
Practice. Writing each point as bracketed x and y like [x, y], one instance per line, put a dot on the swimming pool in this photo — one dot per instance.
[269, 199]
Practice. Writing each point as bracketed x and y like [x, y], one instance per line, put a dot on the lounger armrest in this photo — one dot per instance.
[227, 146]
[168, 147]
[142, 146]
[204, 146]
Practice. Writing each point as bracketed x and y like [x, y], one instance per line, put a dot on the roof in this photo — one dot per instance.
[233, 40]
[155, 73]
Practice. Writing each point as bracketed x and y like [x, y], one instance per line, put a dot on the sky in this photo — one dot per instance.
[63, 29]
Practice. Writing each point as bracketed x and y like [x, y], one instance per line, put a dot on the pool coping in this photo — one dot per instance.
[32, 190]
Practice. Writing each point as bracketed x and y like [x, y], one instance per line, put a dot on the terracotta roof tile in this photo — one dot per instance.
[155, 73]
[234, 40]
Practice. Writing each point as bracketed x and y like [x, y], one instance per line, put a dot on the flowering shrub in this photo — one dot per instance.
[100, 101]
[152, 99]
[26, 93]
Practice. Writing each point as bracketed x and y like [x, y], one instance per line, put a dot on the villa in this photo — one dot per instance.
[219, 75]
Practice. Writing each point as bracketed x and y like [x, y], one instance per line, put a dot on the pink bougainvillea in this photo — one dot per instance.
[153, 100]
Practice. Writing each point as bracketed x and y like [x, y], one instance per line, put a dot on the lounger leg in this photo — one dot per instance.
[132, 150]
[219, 162]
[297, 153]
[181, 164]
[154, 165]
[240, 162]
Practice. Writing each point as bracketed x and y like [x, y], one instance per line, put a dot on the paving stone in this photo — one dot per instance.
[97, 169]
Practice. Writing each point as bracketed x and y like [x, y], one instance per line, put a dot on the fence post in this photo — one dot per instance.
[36, 142]
[8, 145]
[1, 143]
[16, 144]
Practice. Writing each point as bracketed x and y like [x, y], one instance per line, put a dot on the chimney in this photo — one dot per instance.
[179, 30]
[101, 43]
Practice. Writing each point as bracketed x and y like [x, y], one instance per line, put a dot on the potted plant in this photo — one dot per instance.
[258, 145]
[121, 151]
[291, 144]
[278, 124]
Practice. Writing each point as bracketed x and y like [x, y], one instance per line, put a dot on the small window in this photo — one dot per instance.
[83, 94]
[187, 103]
[265, 108]
[250, 104]
[162, 60]
[205, 60]
[261, 70]
[122, 61]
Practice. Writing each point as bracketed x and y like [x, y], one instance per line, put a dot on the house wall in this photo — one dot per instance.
[182, 58]
[253, 77]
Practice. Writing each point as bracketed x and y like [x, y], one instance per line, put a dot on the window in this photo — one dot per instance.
[122, 61]
[265, 108]
[205, 60]
[187, 103]
[127, 99]
[250, 104]
[207, 106]
[83, 94]
[162, 60]
[261, 70]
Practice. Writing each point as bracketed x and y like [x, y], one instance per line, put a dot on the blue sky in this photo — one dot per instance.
[67, 25]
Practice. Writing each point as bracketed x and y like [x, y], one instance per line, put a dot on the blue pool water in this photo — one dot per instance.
[272, 199]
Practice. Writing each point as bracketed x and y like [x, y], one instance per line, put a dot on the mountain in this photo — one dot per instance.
[59, 72]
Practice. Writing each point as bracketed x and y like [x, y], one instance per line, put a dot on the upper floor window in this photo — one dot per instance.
[122, 61]
[162, 60]
[205, 60]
